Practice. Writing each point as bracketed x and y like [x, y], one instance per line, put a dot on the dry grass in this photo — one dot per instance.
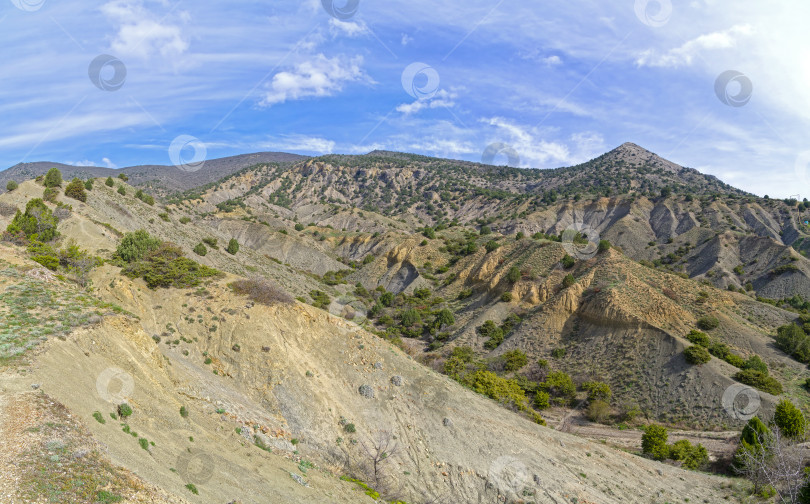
[261, 291]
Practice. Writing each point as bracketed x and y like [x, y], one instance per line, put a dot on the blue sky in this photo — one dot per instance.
[559, 83]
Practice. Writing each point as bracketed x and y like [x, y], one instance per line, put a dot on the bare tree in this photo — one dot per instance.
[379, 452]
[778, 462]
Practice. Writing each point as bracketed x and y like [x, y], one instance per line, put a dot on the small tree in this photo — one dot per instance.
[514, 274]
[109, 182]
[443, 318]
[491, 245]
[604, 246]
[11, 185]
[88, 184]
[778, 462]
[134, 246]
[754, 435]
[789, 419]
[654, 442]
[76, 190]
[697, 355]
[514, 360]
[200, 249]
[53, 178]
[233, 246]
[122, 191]
[568, 281]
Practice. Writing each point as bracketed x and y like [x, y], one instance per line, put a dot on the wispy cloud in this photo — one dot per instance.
[685, 54]
[317, 77]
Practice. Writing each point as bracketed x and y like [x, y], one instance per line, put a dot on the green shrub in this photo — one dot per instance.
[759, 380]
[697, 355]
[211, 242]
[350, 428]
[123, 177]
[792, 340]
[789, 419]
[708, 323]
[167, 267]
[38, 223]
[506, 297]
[514, 274]
[735, 360]
[233, 246]
[410, 318]
[491, 245]
[99, 417]
[122, 191]
[604, 246]
[109, 182]
[495, 334]
[568, 281]
[694, 457]
[465, 293]
[756, 363]
[53, 178]
[11, 185]
[504, 391]
[183, 412]
[200, 249]
[597, 390]
[567, 261]
[124, 410]
[299, 227]
[514, 360]
[185, 219]
[76, 190]
[50, 194]
[754, 435]
[558, 353]
[560, 386]
[654, 442]
[541, 400]
[88, 184]
[192, 488]
[422, 293]
[136, 245]
[320, 299]
[698, 338]
[485, 230]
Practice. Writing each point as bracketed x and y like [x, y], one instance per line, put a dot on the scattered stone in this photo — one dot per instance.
[660, 472]
[236, 347]
[562, 444]
[378, 365]
[396, 380]
[366, 391]
[265, 349]
[80, 453]
[35, 386]
[447, 422]
[298, 479]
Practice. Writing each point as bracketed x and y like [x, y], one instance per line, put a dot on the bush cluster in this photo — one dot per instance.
[37, 223]
[261, 291]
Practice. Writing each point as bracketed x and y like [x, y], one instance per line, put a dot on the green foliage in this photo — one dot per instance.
[50, 194]
[754, 362]
[541, 400]
[759, 380]
[598, 411]
[444, 317]
[568, 281]
[560, 386]
[123, 177]
[708, 323]
[567, 261]
[124, 410]
[422, 293]
[507, 392]
[654, 442]
[183, 412]
[299, 227]
[485, 230]
[597, 390]
[792, 340]
[38, 223]
[387, 299]
[506, 297]
[99, 417]
[136, 245]
[11, 185]
[789, 419]
[200, 249]
[184, 219]
[491, 245]
[698, 338]
[122, 191]
[493, 332]
[167, 267]
[76, 190]
[514, 274]
[88, 184]
[233, 246]
[109, 182]
[410, 318]
[697, 355]
[514, 360]
[192, 488]
[429, 233]
[53, 178]
[320, 299]
[604, 246]
[755, 434]
[694, 457]
[558, 353]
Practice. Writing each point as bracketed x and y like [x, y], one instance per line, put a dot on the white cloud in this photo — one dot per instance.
[108, 163]
[406, 39]
[86, 162]
[534, 151]
[686, 53]
[443, 98]
[141, 33]
[347, 28]
[300, 143]
[317, 77]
